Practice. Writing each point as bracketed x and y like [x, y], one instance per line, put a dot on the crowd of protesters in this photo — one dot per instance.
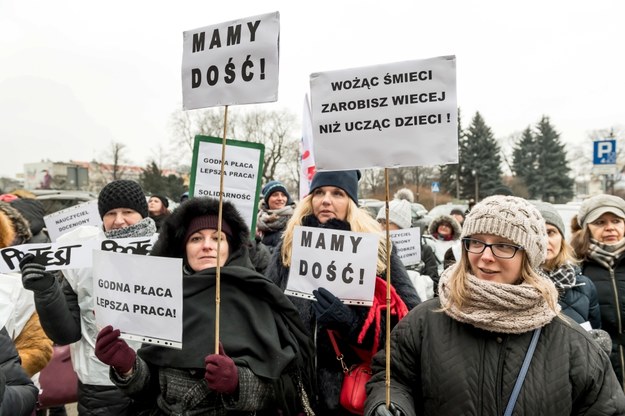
[502, 312]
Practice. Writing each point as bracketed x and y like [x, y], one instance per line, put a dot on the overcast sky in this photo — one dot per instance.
[76, 75]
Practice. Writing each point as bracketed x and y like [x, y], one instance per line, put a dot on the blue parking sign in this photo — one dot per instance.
[604, 152]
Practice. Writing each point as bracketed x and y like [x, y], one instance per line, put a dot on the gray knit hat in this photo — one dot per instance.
[512, 218]
[551, 216]
[399, 213]
[595, 206]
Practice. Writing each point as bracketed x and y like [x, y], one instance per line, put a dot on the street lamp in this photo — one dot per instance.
[477, 188]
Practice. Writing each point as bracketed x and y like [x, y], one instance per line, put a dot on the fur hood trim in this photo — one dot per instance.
[448, 219]
[21, 227]
[170, 241]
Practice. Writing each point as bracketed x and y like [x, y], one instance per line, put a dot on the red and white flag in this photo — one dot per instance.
[307, 166]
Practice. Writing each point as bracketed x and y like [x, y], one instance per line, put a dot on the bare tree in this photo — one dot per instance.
[116, 153]
[275, 129]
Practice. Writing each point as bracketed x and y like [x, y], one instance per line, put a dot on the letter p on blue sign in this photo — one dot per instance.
[604, 152]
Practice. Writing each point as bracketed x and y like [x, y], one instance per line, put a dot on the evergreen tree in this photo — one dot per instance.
[480, 160]
[525, 162]
[539, 160]
[556, 185]
[153, 181]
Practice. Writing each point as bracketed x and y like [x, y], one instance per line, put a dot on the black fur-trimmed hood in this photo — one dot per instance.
[171, 242]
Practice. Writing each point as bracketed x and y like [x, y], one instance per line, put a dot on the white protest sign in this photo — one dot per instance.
[407, 242]
[343, 262]
[233, 62]
[55, 256]
[16, 304]
[67, 219]
[243, 166]
[131, 245]
[139, 295]
[399, 114]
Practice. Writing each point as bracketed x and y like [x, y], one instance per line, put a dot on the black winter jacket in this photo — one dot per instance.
[610, 286]
[18, 394]
[329, 372]
[581, 303]
[440, 366]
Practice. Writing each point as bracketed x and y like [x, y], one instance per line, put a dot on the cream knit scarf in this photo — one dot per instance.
[498, 307]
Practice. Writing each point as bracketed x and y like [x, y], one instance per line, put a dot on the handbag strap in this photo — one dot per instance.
[337, 351]
[521, 377]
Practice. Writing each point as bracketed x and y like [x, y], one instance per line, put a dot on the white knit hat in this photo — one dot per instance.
[513, 218]
[399, 213]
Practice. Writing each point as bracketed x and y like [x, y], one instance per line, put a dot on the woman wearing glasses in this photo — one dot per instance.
[461, 353]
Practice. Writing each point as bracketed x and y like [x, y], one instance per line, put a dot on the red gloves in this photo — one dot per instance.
[221, 373]
[114, 351]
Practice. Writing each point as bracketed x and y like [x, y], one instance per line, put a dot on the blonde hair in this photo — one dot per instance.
[358, 219]
[458, 292]
[566, 255]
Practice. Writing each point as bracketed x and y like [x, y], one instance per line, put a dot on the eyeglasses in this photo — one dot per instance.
[500, 250]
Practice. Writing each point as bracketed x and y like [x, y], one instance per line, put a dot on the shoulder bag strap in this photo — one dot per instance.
[339, 355]
[521, 377]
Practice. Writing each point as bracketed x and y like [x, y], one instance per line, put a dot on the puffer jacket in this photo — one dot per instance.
[329, 372]
[18, 394]
[610, 284]
[581, 303]
[440, 366]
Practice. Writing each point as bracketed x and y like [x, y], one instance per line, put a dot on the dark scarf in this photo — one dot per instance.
[604, 254]
[259, 329]
[563, 277]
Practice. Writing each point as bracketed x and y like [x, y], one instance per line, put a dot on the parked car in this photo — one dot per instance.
[54, 200]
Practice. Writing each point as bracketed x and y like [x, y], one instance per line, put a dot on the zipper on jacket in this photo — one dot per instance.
[620, 327]
[499, 381]
[481, 377]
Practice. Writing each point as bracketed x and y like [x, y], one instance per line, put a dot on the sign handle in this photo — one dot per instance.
[219, 218]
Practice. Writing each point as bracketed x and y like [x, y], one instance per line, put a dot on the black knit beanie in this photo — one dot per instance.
[347, 180]
[122, 194]
[275, 186]
[163, 199]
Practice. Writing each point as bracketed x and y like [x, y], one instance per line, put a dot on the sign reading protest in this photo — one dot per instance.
[243, 167]
[55, 256]
[67, 219]
[343, 262]
[72, 255]
[139, 295]
[408, 245]
[400, 114]
[233, 62]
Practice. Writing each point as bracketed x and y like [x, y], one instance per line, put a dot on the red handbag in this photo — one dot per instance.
[353, 393]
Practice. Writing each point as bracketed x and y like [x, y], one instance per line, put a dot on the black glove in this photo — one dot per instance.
[34, 275]
[330, 310]
[381, 410]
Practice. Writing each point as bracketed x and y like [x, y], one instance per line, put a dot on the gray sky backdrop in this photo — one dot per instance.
[75, 75]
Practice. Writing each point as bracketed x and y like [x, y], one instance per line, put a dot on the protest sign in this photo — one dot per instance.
[132, 245]
[407, 244]
[67, 219]
[343, 262]
[243, 167]
[55, 256]
[399, 114]
[233, 62]
[139, 295]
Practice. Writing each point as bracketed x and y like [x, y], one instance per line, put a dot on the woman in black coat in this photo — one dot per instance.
[18, 394]
[332, 203]
[264, 365]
